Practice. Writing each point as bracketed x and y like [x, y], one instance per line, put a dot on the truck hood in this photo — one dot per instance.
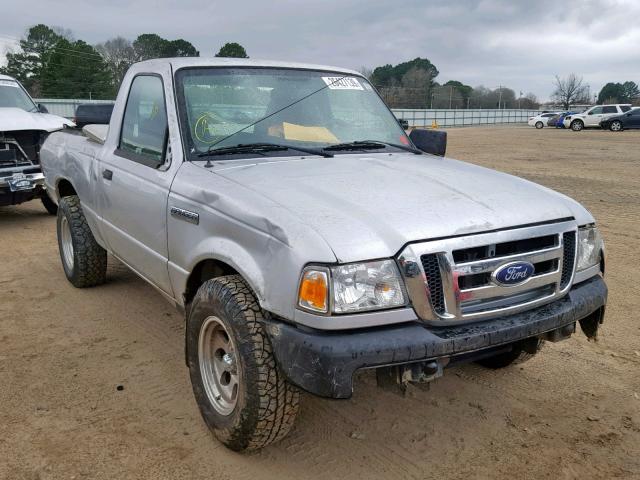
[16, 119]
[370, 206]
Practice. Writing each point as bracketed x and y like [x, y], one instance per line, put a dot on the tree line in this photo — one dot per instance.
[51, 63]
[413, 84]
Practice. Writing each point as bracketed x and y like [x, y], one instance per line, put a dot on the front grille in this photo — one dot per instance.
[504, 249]
[459, 272]
[568, 256]
[434, 281]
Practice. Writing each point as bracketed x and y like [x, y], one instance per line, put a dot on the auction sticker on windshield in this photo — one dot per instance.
[342, 83]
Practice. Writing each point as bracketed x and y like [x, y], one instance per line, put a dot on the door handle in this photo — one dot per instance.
[107, 174]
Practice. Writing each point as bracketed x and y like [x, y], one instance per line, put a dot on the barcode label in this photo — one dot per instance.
[342, 83]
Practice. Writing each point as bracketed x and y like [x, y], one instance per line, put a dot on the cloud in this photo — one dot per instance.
[490, 42]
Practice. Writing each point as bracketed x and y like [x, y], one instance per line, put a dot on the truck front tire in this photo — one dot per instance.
[520, 352]
[243, 397]
[83, 260]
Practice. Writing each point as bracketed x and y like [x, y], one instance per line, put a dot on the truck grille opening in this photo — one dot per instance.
[477, 306]
[569, 256]
[504, 249]
[431, 266]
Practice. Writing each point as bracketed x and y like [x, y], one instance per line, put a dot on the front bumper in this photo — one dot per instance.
[33, 186]
[324, 363]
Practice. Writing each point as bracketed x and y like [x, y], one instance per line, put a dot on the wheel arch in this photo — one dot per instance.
[64, 188]
[204, 270]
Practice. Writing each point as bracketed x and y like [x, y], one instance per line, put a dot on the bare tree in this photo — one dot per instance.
[118, 54]
[415, 88]
[570, 90]
[529, 101]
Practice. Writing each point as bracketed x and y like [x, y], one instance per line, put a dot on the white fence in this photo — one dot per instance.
[462, 118]
[416, 118]
[66, 107]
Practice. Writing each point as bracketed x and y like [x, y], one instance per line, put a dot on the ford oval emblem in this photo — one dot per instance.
[514, 273]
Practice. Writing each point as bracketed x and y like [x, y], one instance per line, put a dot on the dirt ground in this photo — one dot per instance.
[571, 412]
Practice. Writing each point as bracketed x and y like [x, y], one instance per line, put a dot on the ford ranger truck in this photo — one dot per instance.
[23, 128]
[306, 236]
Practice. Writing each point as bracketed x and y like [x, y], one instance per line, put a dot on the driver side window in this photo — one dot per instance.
[143, 137]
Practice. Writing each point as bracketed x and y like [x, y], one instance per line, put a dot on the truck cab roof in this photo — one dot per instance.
[186, 62]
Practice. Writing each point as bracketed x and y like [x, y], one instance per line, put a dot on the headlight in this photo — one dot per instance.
[589, 248]
[355, 287]
[366, 286]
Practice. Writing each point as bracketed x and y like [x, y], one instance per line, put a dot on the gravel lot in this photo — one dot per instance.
[572, 412]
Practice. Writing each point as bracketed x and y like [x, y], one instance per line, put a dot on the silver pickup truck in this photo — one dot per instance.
[306, 236]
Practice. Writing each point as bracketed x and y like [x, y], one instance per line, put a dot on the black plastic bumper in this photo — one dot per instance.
[324, 363]
[8, 198]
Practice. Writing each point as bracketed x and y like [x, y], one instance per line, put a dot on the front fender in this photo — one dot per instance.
[224, 251]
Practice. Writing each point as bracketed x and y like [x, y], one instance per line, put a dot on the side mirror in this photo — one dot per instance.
[42, 108]
[430, 141]
[404, 123]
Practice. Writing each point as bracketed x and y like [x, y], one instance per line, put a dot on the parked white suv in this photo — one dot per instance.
[594, 115]
[541, 120]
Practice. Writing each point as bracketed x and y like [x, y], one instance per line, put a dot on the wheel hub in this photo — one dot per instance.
[219, 368]
[66, 242]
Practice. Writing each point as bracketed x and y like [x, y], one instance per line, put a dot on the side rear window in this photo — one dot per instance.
[611, 109]
[144, 127]
[625, 108]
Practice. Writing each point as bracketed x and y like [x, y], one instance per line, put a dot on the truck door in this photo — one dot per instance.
[135, 179]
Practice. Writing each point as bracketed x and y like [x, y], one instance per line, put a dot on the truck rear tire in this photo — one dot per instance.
[49, 204]
[519, 353]
[243, 397]
[83, 260]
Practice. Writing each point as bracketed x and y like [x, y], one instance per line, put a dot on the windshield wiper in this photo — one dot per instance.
[370, 145]
[260, 148]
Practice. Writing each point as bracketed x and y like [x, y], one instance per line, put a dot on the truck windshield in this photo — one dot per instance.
[13, 96]
[227, 107]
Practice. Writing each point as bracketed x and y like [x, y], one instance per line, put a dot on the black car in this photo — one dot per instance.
[630, 119]
[92, 113]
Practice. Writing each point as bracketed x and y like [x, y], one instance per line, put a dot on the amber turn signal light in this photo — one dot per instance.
[313, 291]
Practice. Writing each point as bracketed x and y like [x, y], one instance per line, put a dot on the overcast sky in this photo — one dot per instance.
[519, 44]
